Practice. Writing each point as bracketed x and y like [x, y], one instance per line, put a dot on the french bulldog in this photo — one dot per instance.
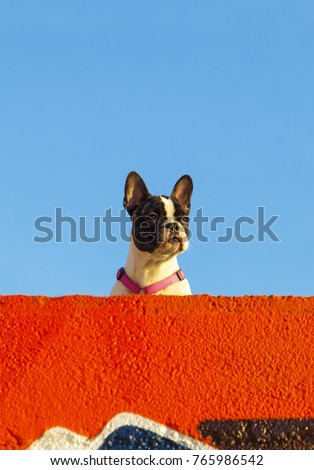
[159, 233]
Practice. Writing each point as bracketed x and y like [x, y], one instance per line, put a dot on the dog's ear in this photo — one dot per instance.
[182, 191]
[135, 191]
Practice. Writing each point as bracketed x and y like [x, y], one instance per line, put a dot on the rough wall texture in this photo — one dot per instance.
[189, 363]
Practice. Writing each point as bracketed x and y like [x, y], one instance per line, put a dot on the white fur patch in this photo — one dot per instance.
[169, 207]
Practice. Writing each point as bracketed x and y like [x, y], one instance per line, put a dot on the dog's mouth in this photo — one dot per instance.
[172, 244]
[173, 239]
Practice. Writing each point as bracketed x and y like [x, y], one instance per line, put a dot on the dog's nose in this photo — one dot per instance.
[173, 226]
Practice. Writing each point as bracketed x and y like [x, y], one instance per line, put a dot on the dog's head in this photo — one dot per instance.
[160, 223]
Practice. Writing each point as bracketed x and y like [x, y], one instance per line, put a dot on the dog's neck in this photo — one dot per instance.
[146, 268]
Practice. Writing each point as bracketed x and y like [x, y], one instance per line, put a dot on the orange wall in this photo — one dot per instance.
[78, 361]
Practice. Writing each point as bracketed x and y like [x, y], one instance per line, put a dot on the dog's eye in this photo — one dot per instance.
[152, 216]
[186, 219]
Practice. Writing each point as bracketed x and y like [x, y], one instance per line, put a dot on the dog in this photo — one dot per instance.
[160, 232]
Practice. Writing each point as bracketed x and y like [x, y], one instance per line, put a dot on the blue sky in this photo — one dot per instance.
[222, 91]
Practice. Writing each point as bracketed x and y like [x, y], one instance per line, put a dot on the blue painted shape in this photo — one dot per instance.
[135, 438]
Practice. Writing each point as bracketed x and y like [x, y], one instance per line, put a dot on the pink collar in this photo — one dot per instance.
[152, 288]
